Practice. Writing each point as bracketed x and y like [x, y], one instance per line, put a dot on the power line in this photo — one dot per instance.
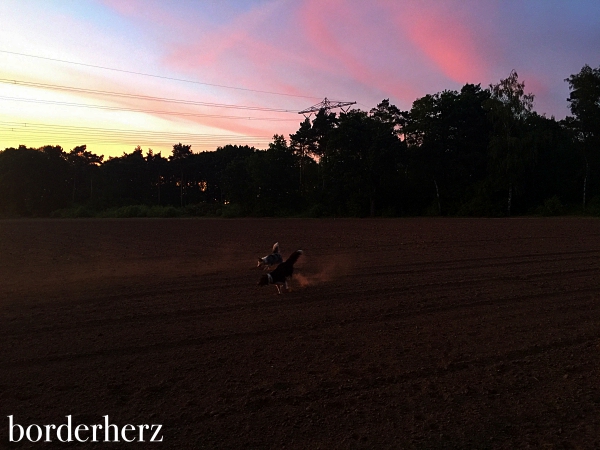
[116, 137]
[140, 97]
[155, 76]
[108, 137]
[87, 140]
[202, 142]
[114, 108]
[66, 129]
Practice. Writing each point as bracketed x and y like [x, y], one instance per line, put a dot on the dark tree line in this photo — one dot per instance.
[473, 152]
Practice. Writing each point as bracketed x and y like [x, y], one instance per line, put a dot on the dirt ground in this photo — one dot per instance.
[398, 333]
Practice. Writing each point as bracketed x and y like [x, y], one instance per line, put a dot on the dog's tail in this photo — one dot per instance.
[294, 257]
[276, 247]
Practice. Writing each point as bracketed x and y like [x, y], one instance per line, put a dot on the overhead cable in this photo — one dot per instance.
[30, 127]
[155, 76]
[115, 108]
[140, 97]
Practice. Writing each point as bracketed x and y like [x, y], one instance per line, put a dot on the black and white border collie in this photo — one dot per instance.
[270, 260]
[281, 274]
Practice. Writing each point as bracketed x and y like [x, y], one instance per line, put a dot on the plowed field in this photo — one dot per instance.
[407, 333]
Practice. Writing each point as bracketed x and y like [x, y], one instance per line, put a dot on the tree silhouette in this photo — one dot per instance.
[180, 153]
[83, 164]
[362, 163]
[303, 144]
[33, 182]
[469, 152]
[584, 101]
[509, 109]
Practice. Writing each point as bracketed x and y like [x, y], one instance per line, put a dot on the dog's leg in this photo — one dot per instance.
[278, 289]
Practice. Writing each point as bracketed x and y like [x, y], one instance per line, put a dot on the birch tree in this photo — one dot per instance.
[509, 109]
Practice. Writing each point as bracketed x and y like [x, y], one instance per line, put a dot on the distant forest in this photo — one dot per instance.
[477, 152]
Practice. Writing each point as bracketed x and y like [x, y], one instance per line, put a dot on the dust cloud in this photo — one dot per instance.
[311, 273]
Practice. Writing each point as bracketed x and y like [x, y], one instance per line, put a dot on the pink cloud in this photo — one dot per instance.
[136, 9]
[350, 47]
[283, 47]
[139, 9]
[165, 21]
[447, 37]
[236, 54]
[333, 49]
[125, 7]
[318, 31]
[243, 52]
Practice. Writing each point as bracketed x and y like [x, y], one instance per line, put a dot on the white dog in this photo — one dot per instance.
[270, 260]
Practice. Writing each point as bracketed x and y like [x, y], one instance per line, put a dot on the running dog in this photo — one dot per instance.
[270, 260]
[279, 277]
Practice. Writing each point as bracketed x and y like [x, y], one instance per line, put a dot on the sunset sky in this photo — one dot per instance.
[114, 74]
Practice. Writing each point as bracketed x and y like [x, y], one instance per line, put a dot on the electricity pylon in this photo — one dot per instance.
[326, 105]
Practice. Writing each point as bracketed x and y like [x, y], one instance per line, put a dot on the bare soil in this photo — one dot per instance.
[407, 333]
